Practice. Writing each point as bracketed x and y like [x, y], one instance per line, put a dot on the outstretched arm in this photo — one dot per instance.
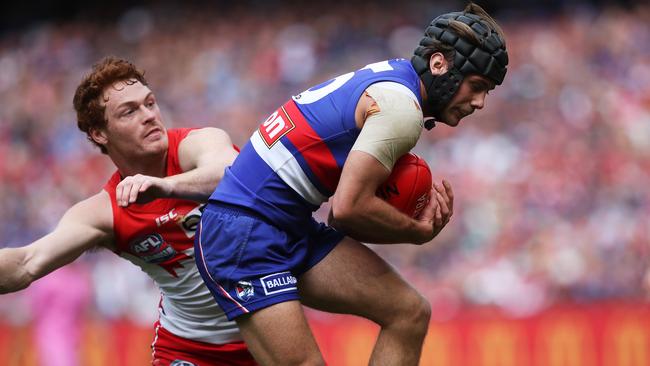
[84, 226]
[203, 154]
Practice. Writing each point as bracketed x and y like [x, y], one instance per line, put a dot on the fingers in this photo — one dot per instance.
[429, 211]
[443, 196]
[118, 194]
[438, 218]
[442, 201]
[137, 188]
[123, 191]
[446, 194]
[129, 188]
[440, 207]
[450, 195]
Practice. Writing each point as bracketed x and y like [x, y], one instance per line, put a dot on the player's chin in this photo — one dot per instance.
[156, 146]
[450, 120]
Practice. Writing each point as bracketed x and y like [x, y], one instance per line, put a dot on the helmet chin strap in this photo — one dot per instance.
[440, 89]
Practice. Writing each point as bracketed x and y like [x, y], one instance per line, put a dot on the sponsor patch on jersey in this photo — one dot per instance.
[277, 125]
[190, 221]
[245, 290]
[152, 248]
[278, 282]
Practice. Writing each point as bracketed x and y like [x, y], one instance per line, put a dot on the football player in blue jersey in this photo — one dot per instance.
[260, 251]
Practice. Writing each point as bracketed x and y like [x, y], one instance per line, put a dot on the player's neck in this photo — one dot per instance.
[151, 165]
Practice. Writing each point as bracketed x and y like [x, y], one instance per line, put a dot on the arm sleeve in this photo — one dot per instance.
[395, 128]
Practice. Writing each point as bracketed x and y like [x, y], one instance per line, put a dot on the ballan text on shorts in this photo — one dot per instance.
[278, 282]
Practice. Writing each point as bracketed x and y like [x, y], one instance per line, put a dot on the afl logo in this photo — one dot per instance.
[152, 249]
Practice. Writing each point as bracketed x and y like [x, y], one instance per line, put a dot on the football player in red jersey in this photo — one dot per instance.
[147, 213]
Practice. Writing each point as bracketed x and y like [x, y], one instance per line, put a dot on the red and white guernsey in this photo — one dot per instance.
[159, 238]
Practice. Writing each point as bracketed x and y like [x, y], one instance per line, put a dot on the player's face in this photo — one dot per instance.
[470, 96]
[134, 122]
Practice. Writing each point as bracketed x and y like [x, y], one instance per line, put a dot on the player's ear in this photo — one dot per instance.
[99, 136]
[438, 64]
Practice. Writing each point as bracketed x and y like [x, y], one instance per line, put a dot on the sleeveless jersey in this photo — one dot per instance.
[159, 238]
[293, 162]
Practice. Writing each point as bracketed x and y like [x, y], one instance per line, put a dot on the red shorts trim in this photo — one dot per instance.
[171, 350]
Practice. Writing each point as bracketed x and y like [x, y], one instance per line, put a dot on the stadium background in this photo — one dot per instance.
[544, 263]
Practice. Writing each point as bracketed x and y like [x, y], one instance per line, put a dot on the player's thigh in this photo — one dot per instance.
[352, 279]
[280, 335]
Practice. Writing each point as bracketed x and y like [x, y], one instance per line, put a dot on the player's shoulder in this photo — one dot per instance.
[397, 68]
[205, 143]
[397, 65]
[206, 138]
[207, 132]
[397, 75]
[95, 211]
[99, 202]
[393, 97]
[400, 62]
[194, 133]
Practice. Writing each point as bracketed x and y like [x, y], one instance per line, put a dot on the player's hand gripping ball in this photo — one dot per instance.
[408, 188]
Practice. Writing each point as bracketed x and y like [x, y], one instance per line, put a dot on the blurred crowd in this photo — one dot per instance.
[550, 179]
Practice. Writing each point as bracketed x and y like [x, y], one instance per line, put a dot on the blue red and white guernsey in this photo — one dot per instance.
[293, 162]
[257, 234]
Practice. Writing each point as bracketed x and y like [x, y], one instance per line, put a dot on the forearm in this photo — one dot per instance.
[203, 155]
[14, 275]
[85, 225]
[375, 221]
[196, 184]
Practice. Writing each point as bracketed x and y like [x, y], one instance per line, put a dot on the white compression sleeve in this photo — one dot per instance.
[395, 129]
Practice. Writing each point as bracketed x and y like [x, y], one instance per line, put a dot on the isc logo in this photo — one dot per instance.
[166, 217]
[275, 127]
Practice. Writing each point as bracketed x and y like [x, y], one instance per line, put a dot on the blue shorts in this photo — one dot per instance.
[249, 264]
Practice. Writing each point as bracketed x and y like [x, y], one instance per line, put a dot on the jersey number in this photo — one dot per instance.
[310, 96]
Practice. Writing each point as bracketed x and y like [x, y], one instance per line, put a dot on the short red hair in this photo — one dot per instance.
[87, 98]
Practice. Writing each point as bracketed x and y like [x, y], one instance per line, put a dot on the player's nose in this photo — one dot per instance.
[478, 101]
[147, 113]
